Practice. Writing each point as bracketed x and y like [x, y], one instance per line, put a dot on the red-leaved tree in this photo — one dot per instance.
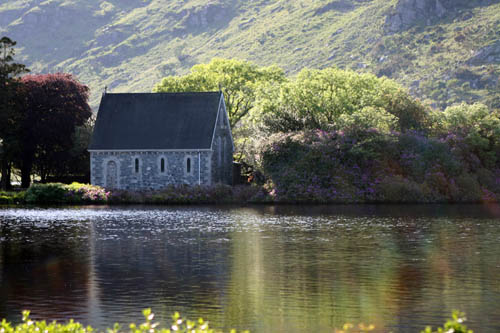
[52, 107]
[9, 83]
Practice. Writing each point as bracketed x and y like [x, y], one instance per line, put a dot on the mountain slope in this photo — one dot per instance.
[444, 50]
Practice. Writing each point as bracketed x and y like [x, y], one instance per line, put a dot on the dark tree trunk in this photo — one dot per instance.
[5, 181]
[9, 176]
[26, 174]
[43, 176]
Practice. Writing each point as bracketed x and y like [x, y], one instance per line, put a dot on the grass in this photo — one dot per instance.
[130, 47]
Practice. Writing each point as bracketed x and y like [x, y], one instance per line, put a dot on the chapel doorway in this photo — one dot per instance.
[111, 175]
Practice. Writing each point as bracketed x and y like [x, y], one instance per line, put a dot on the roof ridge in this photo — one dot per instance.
[166, 93]
[156, 120]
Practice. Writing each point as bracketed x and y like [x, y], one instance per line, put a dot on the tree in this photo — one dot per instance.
[477, 125]
[237, 79]
[53, 106]
[327, 98]
[9, 83]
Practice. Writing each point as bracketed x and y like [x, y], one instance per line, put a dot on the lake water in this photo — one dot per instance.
[267, 269]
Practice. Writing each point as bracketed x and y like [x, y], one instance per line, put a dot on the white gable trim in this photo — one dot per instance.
[227, 123]
[222, 102]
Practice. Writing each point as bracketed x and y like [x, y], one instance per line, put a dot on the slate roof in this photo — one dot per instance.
[156, 121]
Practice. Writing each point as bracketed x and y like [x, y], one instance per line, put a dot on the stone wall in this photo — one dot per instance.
[149, 175]
[222, 157]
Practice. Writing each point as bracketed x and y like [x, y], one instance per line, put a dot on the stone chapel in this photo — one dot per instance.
[150, 140]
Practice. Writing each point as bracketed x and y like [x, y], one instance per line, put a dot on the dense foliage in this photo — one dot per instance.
[76, 193]
[341, 99]
[178, 324]
[340, 136]
[238, 80]
[182, 325]
[325, 135]
[9, 85]
[455, 325]
[52, 107]
[453, 157]
[57, 193]
[320, 166]
[335, 135]
[12, 198]
[44, 122]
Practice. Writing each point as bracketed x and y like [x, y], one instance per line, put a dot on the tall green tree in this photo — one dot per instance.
[53, 106]
[9, 84]
[238, 80]
[328, 98]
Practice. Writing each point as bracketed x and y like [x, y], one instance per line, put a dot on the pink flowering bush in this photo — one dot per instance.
[85, 193]
[57, 193]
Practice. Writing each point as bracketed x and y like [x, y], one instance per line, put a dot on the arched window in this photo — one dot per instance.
[224, 150]
[162, 165]
[219, 140]
[136, 165]
[188, 165]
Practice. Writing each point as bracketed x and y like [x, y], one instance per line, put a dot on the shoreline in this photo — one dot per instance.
[57, 194]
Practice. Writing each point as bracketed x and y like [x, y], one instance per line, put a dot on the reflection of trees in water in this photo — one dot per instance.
[44, 269]
[463, 259]
[265, 270]
[391, 272]
[318, 279]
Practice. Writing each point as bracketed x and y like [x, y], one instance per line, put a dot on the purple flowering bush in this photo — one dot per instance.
[371, 166]
[184, 194]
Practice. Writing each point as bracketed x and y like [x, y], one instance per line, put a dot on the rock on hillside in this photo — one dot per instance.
[487, 55]
[407, 13]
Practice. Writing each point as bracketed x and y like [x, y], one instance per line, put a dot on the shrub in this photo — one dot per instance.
[455, 325]
[321, 166]
[11, 198]
[120, 197]
[399, 189]
[182, 325]
[184, 194]
[56, 193]
[469, 188]
[488, 179]
[245, 193]
[178, 325]
[6, 200]
[479, 128]
[85, 193]
[20, 197]
[46, 193]
[418, 155]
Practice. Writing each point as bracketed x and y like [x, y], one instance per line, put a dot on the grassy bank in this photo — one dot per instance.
[386, 191]
[80, 194]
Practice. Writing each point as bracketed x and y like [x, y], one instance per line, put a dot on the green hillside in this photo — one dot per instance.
[443, 50]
